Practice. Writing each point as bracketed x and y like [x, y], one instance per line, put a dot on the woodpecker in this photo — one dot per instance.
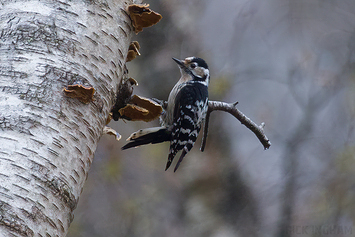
[185, 112]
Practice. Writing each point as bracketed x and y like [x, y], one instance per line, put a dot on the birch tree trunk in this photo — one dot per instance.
[47, 140]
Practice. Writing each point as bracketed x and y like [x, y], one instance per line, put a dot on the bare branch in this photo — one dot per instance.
[232, 109]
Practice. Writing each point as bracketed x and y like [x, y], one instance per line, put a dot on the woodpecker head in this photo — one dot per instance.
[195, 67]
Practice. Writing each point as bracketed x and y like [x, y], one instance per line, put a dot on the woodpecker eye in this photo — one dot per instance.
[193, 65]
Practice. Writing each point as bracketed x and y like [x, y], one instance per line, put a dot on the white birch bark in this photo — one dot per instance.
[47, 140]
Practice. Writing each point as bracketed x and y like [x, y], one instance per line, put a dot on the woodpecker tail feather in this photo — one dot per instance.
[148, 136]
[170, 160]
[184, 152]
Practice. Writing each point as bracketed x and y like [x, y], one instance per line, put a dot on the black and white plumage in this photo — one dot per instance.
[185, 112]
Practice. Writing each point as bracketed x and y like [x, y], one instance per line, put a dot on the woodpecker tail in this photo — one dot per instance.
[148, 136]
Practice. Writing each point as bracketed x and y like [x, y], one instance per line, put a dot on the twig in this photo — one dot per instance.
[232, 109]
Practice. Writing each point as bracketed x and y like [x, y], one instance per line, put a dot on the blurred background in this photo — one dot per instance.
[290, 64]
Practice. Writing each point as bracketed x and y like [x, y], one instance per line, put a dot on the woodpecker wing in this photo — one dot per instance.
[189, 112]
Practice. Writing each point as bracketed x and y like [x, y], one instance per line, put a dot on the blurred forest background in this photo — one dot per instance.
[290, 64]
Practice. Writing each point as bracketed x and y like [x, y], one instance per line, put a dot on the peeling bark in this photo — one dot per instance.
[48, 140]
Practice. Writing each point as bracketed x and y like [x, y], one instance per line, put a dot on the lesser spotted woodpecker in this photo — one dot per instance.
[185, 112]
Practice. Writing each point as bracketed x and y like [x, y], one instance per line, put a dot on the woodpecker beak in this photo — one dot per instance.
[180, 62]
